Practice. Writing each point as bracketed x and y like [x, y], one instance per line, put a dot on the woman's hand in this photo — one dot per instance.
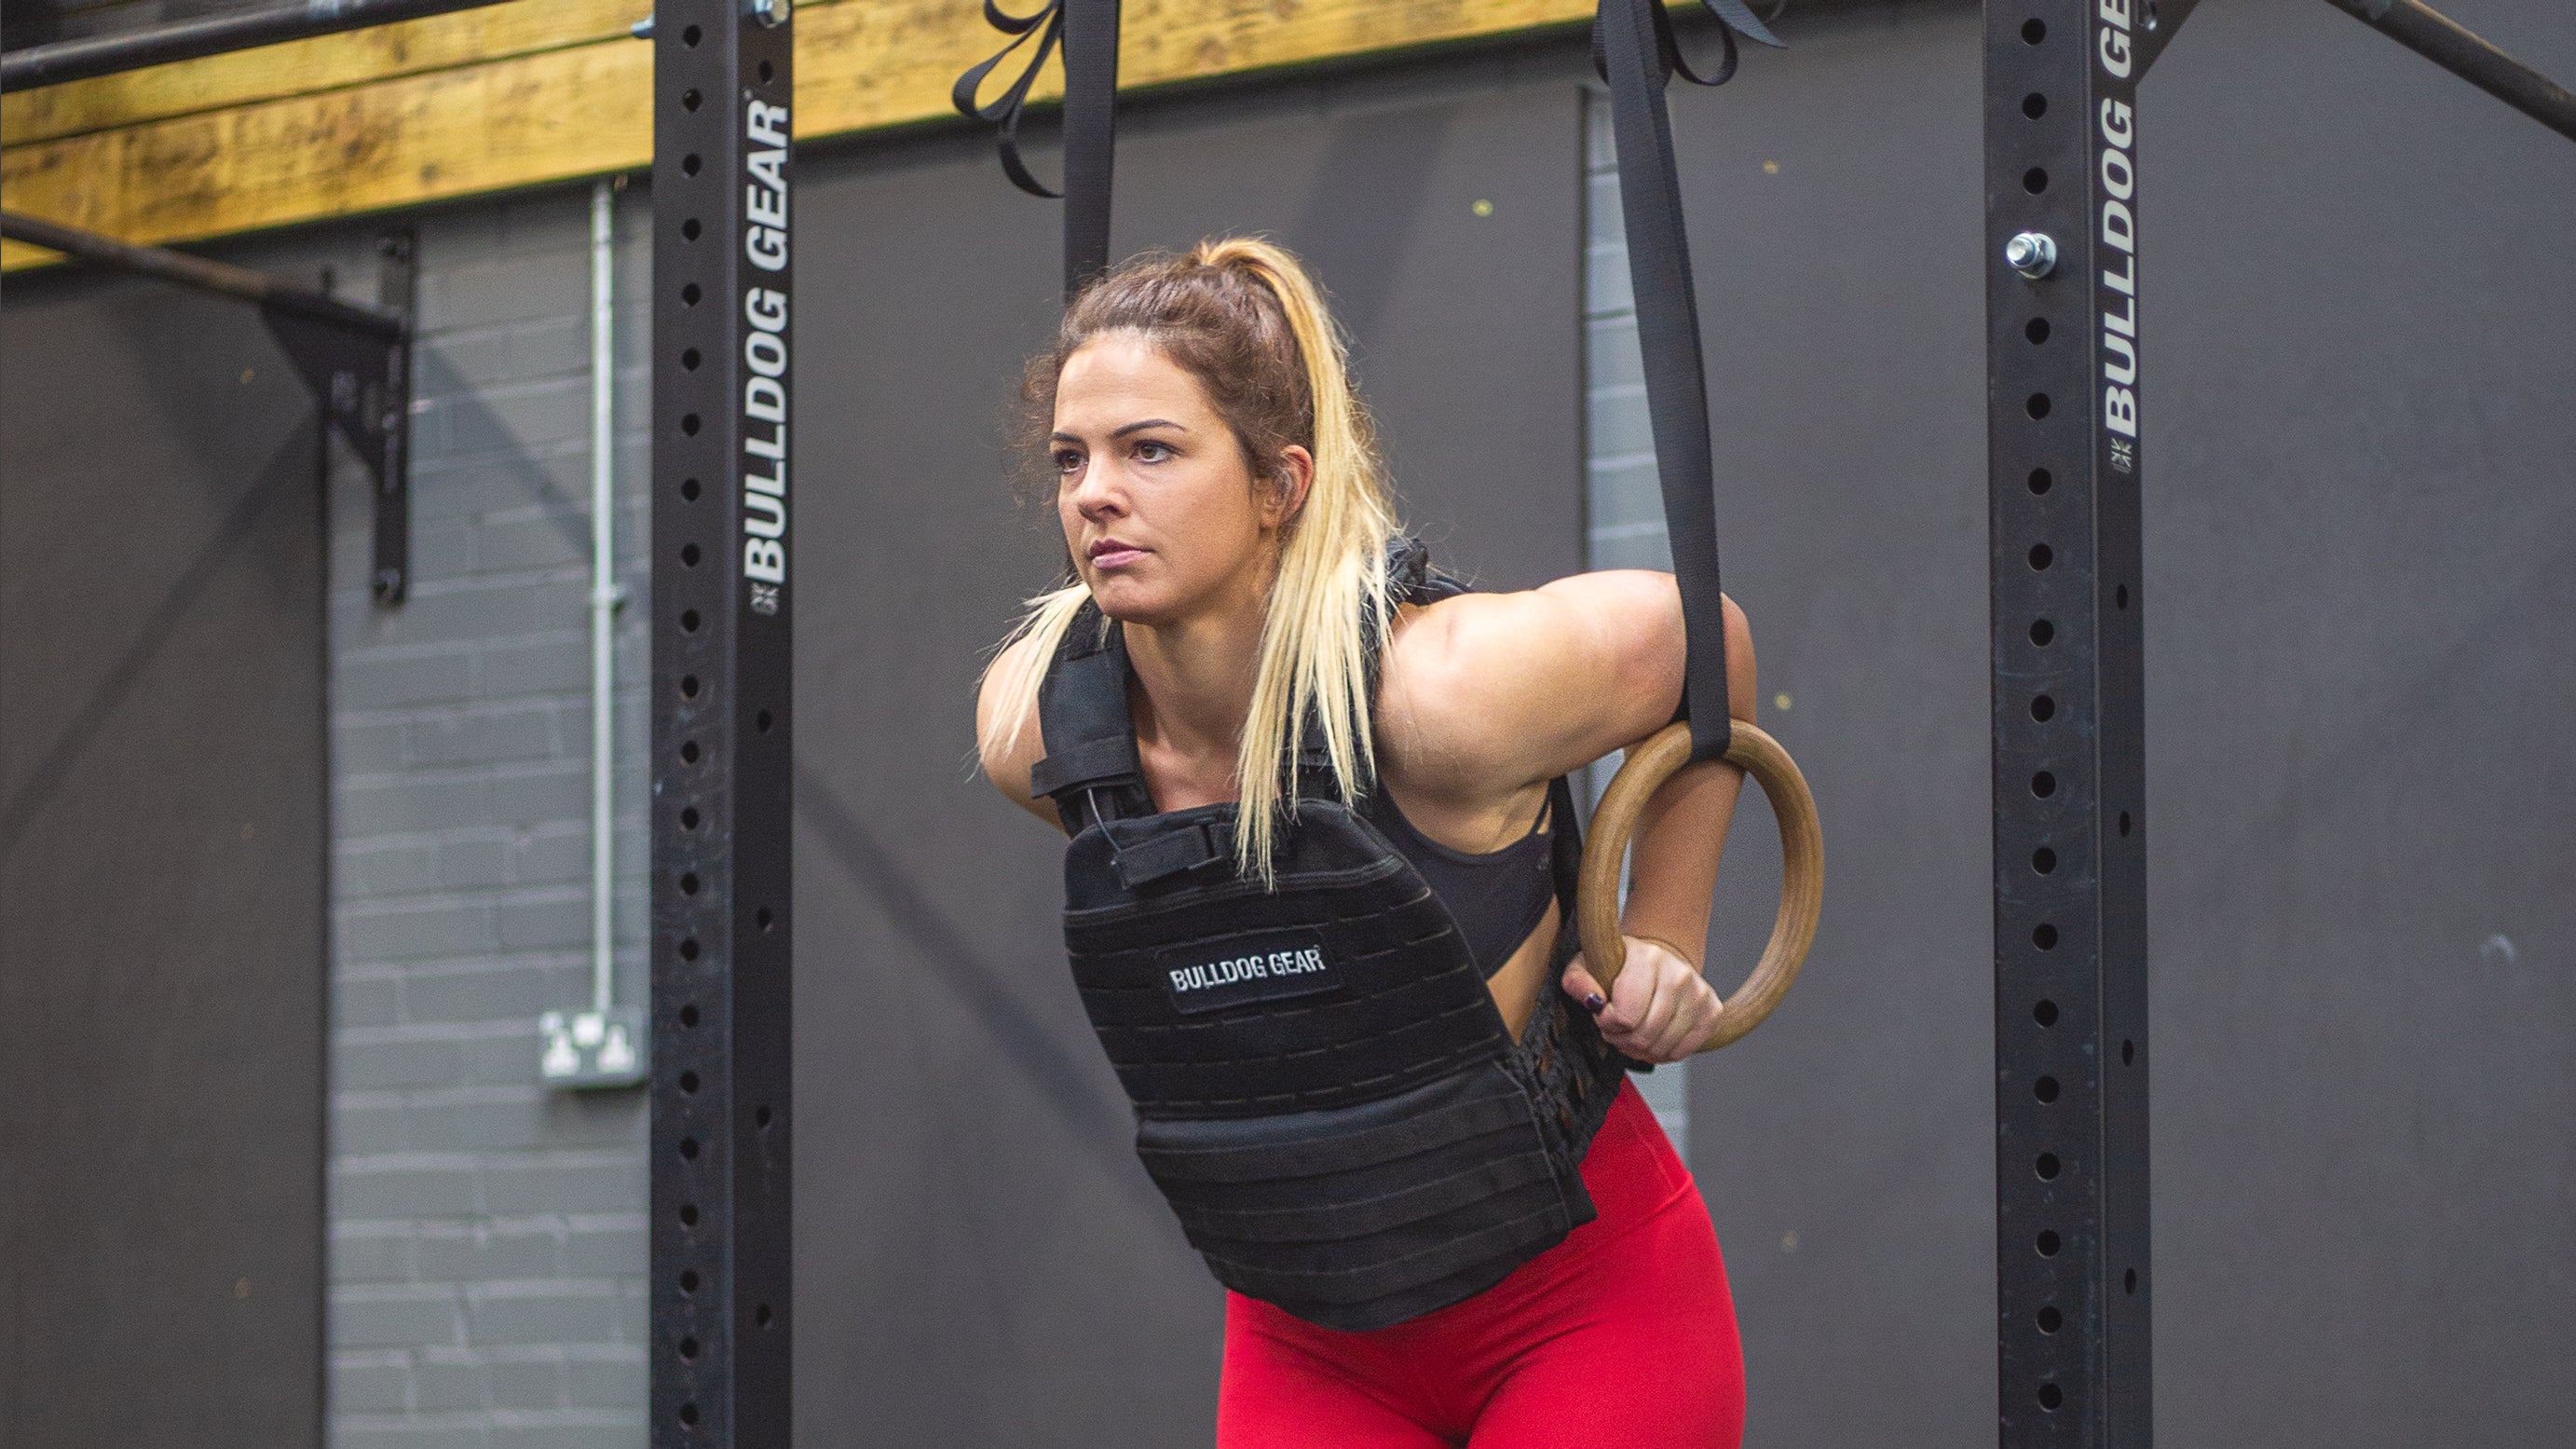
[1660, 1009]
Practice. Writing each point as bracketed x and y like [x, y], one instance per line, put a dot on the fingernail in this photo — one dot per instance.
[1594, 1003]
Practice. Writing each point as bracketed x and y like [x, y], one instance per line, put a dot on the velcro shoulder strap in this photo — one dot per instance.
[1090, 770]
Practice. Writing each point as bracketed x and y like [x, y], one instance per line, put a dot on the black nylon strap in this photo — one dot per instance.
[1088, 31]
[1634, 46]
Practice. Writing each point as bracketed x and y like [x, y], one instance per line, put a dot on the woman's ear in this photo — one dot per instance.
[1295, 476]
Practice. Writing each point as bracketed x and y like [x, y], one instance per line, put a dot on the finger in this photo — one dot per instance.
[1672, 991]
[1632, 996]
[1694, 1017]
[1580, 985]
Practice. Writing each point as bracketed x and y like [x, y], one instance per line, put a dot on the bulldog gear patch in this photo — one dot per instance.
[1265, 968]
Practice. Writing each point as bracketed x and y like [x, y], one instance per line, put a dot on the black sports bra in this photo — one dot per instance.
[1497, 897]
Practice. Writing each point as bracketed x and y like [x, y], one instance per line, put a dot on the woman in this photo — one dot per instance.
[1223, 710]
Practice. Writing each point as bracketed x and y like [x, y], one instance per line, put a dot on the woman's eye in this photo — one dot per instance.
[1149, 451]
[1068, 461]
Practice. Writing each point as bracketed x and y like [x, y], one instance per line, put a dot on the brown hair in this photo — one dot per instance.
[1242, 317]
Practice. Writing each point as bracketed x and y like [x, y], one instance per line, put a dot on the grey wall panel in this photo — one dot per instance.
[161, 874]
[980, 1261]
[2356, 299]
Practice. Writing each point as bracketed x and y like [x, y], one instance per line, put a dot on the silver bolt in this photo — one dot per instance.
[2031, 253]
[641, 29]
[770, 13]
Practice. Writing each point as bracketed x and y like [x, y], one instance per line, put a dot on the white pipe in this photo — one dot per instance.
[604, 598]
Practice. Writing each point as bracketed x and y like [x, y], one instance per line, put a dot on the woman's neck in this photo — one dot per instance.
[1195, 679]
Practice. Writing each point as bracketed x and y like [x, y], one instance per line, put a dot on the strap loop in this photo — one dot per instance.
[1088, 31]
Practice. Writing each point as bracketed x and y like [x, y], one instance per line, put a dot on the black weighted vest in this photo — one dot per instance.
[1323, 1087]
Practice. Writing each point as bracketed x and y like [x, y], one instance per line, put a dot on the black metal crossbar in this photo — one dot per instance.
[2462, 52]
[69, 60]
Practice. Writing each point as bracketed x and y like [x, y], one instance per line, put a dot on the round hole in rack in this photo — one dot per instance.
[2036, 329]
[689, 229]
[689, 883]
[762, 721]
[762, 1315]
[2128, 1052]
[2043, 708]
[689, 555]
[689, 1084]
[2041, 556]
[689, 294]
[2041, 631]
[689, 948]
[689, 1414]
[689, 37]
[2120, 597]
[2044, 860]
[763, 919]
[688, 1016]
[2033, 31]
[2050, 1396]
[2124, 822]
[690, 100]
[2045, 1089]
[2034, 105]
[2129, 1281]
[2041, 480]
[688, 621]
[689, 1148]
[2037, 406]
[2043, 784]
[689, 358]
[689, 424]
[688, 1215]
[2046, 1167]
[689, 167]
[2050, 1320]
[688, 490]
[2047, 1242]
[2035, 180]
[767, 72]
[688, 752]
[688, 1348]
[688, 686]
[689, 818]
[688, 1280]
[2044, 1012]
[760, 1118]
[2044, 936]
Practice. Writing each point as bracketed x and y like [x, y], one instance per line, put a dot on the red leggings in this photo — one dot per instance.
[1622, 1335]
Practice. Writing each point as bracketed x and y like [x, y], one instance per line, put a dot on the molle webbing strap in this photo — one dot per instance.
[1634, 46]
[1091, 768]
[1088, 31]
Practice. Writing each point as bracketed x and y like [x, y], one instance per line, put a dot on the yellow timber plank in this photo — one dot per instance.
[581, 110]
[329, 62]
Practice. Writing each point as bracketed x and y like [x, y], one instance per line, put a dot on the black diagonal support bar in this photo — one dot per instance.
[2459, 50]
[96, 55]
[2066, 397]
[2155, 23]
[723, 595]
[355, 356]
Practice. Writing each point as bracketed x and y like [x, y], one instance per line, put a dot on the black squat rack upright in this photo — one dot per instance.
[2065, 398]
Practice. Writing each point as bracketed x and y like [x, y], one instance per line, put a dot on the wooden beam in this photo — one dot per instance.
[555, 112]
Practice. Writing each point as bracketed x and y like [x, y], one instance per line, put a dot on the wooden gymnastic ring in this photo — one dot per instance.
[1802, 876]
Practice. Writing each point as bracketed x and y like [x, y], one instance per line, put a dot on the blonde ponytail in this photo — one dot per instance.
[1244, 318]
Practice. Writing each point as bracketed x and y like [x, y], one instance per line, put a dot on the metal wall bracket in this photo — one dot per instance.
[355, 356]
[361, 379]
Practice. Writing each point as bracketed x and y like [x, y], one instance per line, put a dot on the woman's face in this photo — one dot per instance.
[1164, 519]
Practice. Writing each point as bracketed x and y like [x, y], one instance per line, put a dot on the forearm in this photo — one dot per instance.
[1673, 861]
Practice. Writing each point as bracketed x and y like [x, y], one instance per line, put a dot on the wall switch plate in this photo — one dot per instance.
[592, 1048]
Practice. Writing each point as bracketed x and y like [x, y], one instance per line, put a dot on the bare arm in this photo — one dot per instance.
[1007, 765]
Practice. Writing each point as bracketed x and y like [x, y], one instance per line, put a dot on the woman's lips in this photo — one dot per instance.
[1114, 555]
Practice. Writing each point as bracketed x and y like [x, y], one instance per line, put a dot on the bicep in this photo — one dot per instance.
[1531, 685]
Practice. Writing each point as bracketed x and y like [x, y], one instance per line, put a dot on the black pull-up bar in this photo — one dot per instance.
[2462, 52]
[71, 60]
[261, 288]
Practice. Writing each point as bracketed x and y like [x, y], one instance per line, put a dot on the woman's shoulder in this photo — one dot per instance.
[1008, 742]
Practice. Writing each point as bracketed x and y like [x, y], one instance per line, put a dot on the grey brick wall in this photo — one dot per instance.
[1623, 512]
[488, 1235]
